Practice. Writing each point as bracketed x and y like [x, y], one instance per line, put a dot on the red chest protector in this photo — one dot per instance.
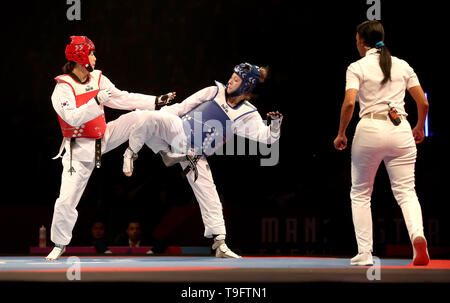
[94, 128]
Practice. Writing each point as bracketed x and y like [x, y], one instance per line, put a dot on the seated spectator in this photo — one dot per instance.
[132, 236]
[98, 236]
[134, 232]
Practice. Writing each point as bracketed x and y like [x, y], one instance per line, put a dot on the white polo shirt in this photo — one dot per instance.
[365, 75]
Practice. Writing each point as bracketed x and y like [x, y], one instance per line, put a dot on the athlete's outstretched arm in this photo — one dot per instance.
[254, 128]
[179, 109]
[121, 99]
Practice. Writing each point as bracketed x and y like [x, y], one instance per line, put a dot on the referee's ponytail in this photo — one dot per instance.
[372, 33]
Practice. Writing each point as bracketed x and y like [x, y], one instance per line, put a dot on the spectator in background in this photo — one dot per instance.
[132, 236]
[98, 236]
[134, 233]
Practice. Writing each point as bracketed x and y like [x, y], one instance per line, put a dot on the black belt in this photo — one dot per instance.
[71, 169]
[98, 152]
[192, 166]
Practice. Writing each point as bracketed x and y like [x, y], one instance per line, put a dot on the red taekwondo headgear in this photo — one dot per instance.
[78, 50]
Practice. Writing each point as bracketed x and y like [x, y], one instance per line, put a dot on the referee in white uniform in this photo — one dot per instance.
[380, 80]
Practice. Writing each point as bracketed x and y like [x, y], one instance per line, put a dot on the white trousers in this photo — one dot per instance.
[206, 194]
[73, 185]
[158, 130]
[376, 141]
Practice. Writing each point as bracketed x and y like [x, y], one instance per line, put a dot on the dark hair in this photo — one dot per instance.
[68, 67]
[372, 32]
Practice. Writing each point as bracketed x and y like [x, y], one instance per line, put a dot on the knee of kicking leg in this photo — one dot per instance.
[146, 117]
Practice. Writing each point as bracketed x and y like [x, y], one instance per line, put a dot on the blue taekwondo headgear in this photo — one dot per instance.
[250, 77]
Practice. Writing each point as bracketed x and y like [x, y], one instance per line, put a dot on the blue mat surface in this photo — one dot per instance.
[38, 263]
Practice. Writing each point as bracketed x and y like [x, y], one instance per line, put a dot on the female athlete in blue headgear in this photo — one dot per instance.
[198, 127]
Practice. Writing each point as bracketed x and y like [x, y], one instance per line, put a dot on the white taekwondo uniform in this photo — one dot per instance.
[377, 140]
[75, 119]
[158, 129]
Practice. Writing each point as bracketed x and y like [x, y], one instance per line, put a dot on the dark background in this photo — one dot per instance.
[154, 47]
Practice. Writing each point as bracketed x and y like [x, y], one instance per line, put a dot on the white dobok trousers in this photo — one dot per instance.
[158, 130]
[73, 185]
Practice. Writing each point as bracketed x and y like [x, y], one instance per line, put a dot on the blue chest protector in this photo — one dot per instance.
[208, 126]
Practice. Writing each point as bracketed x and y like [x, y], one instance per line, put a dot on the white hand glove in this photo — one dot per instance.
[103, 96]
[275, 121]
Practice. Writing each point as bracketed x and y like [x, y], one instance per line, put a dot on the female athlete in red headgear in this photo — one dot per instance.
[78, 99]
